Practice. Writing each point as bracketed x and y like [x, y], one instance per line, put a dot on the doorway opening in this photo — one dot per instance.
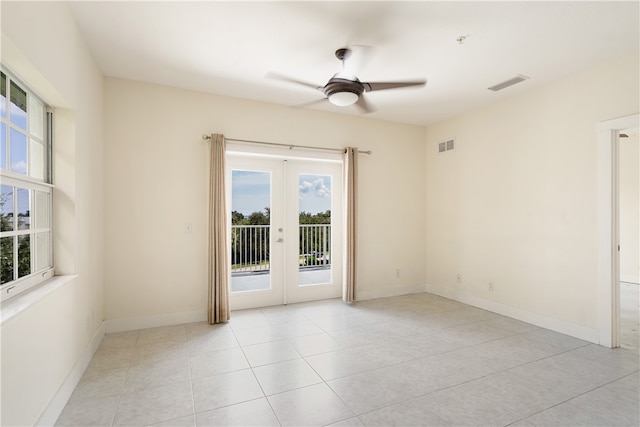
[609, 227]
[629, 219]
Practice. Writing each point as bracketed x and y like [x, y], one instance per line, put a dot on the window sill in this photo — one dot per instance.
[20, 303]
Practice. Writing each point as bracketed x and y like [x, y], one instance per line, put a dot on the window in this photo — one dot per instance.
[25, 188]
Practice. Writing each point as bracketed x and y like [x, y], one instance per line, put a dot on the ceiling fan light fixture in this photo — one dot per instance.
[343, 98]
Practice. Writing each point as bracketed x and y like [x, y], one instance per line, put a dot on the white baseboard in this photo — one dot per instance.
[629, 279]
[57, 404]
[561, 326]
[366, 294]
[154, 321]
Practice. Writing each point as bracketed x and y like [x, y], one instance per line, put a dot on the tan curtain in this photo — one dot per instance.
[218, 310]
[351, 193]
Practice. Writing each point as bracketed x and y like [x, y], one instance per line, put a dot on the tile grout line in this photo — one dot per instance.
[124, 384]
[264, 395]
[541, 340]
[193, 395]
[574, 397]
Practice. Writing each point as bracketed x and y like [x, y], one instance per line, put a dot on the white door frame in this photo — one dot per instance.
[608, 227]
[257, 153]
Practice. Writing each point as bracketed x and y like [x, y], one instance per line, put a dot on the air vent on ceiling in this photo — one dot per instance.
[518, 79]
[446, 145]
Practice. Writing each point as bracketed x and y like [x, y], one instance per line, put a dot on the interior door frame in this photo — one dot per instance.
[609, 227]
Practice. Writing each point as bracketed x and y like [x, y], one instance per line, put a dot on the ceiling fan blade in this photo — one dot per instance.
[368, 87]
[364, 105]
[310, 103]
[288, 79]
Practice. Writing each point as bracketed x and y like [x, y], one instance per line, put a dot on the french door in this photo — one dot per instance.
[285, 230]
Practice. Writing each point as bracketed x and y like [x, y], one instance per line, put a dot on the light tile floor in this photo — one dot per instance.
[409, 360]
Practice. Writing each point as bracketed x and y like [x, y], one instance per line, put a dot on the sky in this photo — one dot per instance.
[314, 192]
[250, 192]
[18, 161]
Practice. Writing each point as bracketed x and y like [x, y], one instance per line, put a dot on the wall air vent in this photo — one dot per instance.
[518, 79]
[445, 146]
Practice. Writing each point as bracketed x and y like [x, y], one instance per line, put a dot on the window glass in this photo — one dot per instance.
[3, 146]
[6, 259]
[3, 95]
[36, 159]
[6, 208]
[18, 152]
[18, 106]
[24, 255]
[36, 118]
[24, 209]
[43, 251]
[25, 203]
[41, 210]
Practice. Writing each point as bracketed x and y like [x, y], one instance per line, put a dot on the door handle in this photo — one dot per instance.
[280, 240]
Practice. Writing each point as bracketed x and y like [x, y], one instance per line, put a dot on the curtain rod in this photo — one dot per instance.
[289, 146]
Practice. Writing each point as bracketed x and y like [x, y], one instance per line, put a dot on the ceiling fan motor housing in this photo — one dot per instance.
[336, 85]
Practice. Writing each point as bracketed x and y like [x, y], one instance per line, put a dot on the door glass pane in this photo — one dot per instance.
[314, 217]
[250, 230]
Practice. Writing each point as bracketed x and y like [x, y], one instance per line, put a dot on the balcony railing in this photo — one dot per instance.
[250, 251]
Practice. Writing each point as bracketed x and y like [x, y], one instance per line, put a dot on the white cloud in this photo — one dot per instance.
[316, 187]
[20, 167]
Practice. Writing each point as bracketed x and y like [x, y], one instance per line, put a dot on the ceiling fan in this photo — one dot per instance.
[344, 88]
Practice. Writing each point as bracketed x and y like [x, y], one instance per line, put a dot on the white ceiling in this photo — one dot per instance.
[227, 48]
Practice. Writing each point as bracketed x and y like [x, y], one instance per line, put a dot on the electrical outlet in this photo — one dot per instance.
[459, 278]
[491, 288]
[397, 273]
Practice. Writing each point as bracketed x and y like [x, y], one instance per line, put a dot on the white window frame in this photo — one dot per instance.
[16, 180]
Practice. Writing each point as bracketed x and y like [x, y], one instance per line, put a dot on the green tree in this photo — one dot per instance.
[260, 218]
[319, 218]
[237, 218]
[314, 239]
[6, 243]
[24, 255]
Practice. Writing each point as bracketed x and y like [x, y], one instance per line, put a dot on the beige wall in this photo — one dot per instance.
[41, 345]
[516, 203]
[156, 169]
[630, 209]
